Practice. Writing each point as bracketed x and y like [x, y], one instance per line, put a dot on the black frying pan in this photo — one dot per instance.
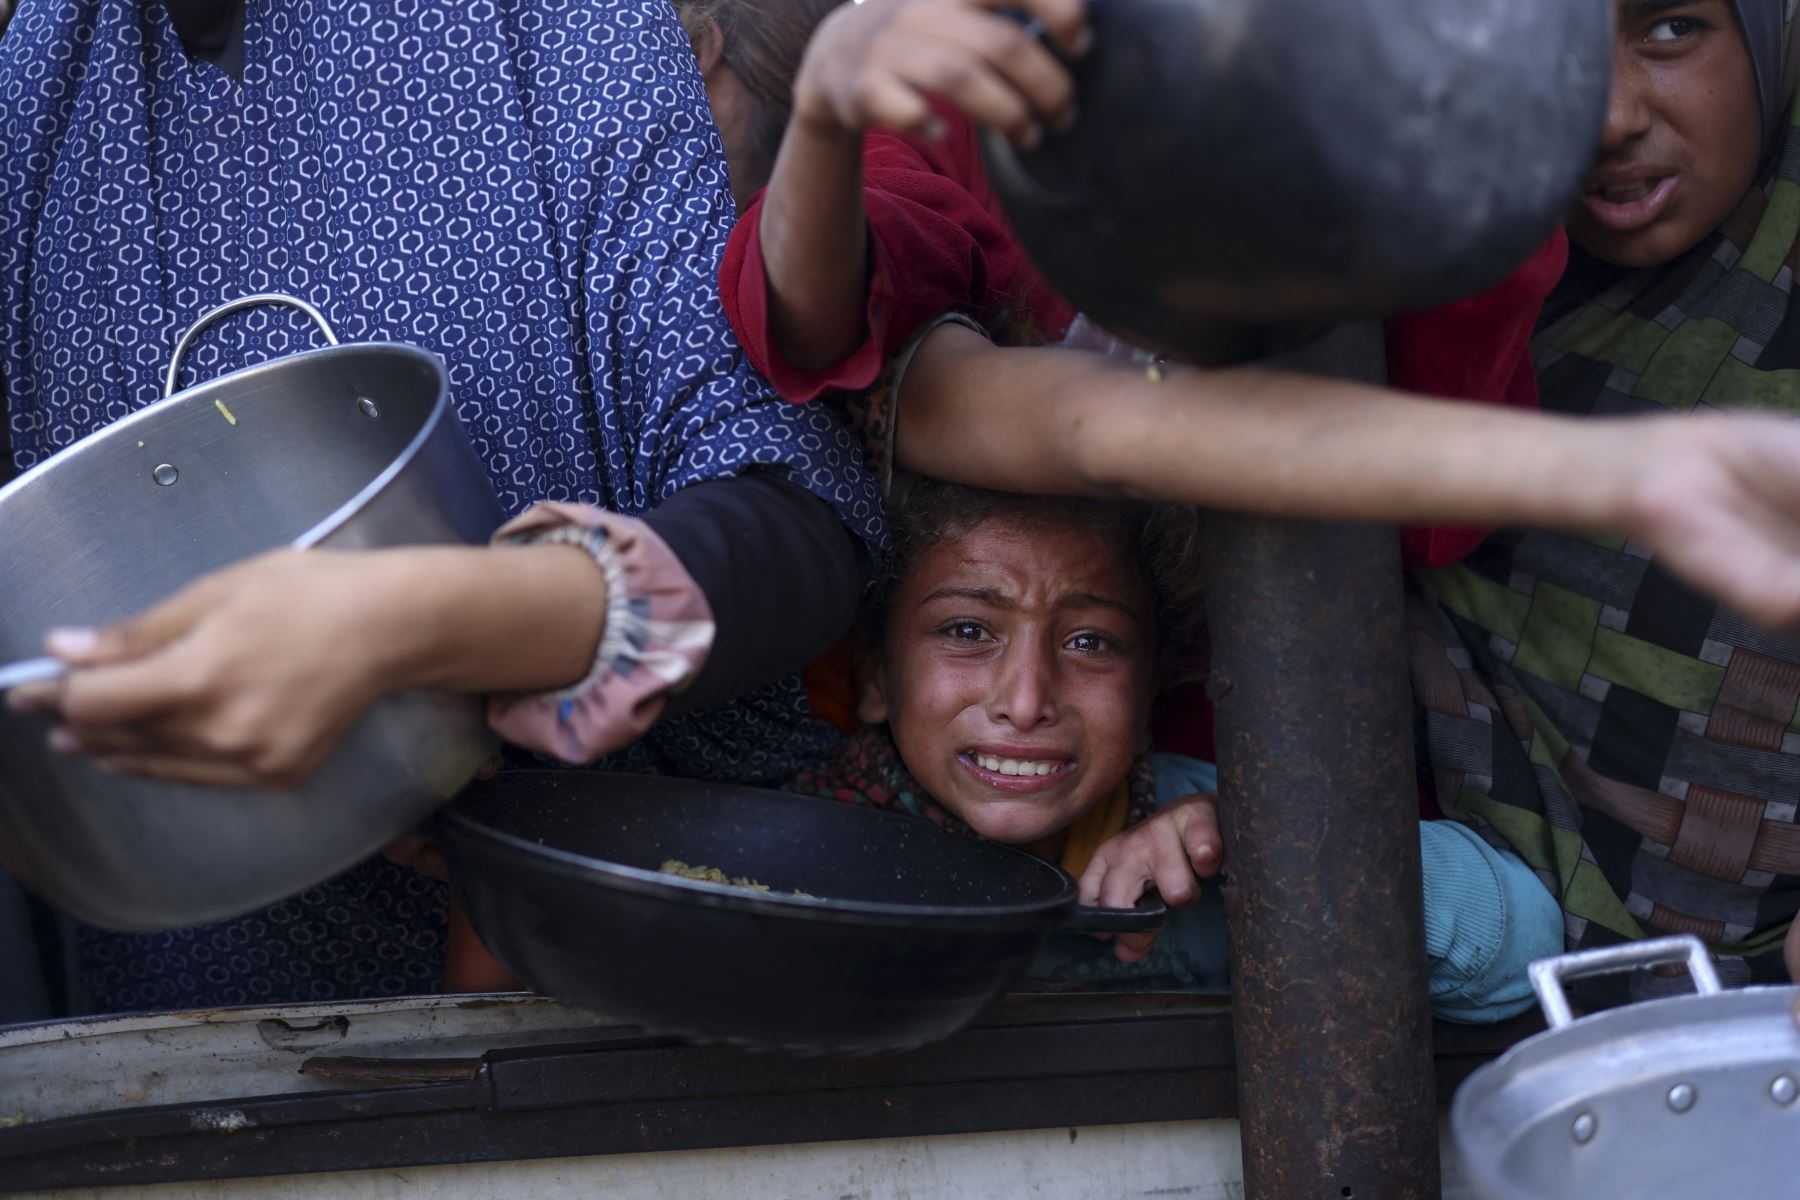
[913, 933]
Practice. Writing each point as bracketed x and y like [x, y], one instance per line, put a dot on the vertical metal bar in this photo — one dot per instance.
[1336, 1092]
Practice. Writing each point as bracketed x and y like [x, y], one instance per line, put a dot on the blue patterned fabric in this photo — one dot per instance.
[535, 191]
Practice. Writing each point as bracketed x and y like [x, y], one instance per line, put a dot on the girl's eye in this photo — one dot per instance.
[965, 631]
[1673, 30]
[1090, 643]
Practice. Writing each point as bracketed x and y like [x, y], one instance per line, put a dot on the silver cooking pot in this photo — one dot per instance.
[348, 447]
[1691, 1098]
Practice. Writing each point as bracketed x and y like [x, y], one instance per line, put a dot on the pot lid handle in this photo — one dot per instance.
[1548, 974]
[173, 378]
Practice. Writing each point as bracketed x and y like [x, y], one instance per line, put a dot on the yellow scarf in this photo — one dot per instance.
[1103, 821]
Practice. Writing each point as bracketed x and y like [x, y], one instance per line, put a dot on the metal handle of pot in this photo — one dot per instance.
[30, 670]
[1149, 914]
[207, 320]
[1548, 974]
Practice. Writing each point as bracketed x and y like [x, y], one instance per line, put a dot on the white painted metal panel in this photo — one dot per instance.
[1186, 1160]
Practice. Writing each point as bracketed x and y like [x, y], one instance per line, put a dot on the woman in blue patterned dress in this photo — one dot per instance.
[533, 191]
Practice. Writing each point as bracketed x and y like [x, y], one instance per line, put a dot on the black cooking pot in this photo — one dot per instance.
[1263, 162]
[912, 933]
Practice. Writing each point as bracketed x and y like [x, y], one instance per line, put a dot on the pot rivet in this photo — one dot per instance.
[369, 408]
[1784, 1089]
[1682, 1097]
[1584, 1128]
[165, 474]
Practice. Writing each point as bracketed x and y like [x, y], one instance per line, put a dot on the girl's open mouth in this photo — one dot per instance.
[1627, 207]
[1016, 774]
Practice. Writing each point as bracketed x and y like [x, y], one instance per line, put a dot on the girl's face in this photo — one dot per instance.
[1017, 675]
[1683, 133]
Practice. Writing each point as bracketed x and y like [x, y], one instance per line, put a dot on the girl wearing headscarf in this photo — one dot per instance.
[1637, 743]
[535, 192]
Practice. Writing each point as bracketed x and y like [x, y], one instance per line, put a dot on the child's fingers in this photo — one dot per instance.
[112, 741]
[138, 636]
[1200, 835]
[1126, 880]
[1174, 874]
[1088, 887]
[1065, 21]
[127, 694]
[1016, 58]
[881, 98]
[946, 66]
[1130, 947]
[43, 697]
[421, 854]
[431, 863]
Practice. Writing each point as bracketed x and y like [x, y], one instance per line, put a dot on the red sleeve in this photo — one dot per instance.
[1477, 349]
[938, 242]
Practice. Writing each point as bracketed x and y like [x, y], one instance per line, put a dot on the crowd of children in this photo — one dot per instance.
[1604, 559]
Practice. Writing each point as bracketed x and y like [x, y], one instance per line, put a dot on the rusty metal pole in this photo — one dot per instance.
[1335, 1086]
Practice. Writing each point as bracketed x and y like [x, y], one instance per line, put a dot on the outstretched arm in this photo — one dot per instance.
[871, 65]
[1717, 496]
[250, 676]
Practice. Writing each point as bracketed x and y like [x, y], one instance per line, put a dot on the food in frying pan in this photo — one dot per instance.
[674, 866]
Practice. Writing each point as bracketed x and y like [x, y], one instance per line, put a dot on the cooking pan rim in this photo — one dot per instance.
[327, 525]
[585, 868]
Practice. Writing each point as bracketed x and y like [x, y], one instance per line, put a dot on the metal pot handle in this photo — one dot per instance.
[1548, 974]
[30, 670]
[225, 310]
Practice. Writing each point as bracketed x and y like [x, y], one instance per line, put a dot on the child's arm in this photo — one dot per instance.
[250, 676]
[1170, 850]
[1487, 919]
[877, 64]
[1717, 496]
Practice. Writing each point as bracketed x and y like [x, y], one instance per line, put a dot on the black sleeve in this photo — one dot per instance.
[8, 469]
[781, 573]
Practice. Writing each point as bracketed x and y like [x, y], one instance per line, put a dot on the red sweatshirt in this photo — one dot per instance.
[938, 242]
[1475, 349]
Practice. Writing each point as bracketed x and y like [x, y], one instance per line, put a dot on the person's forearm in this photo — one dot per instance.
[1256, 440]
[1303, 446]
[484, 619]
[815, 246]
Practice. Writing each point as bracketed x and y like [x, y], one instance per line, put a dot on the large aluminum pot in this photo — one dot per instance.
[352, 446]
[1691, 1098]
